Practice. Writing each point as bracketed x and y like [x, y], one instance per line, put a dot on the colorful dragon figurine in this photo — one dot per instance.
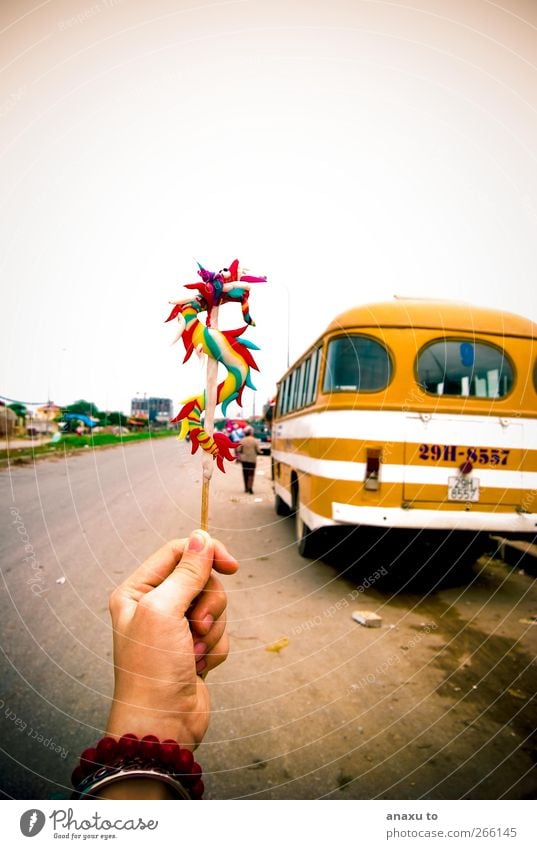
[222, 345]
[218, 288]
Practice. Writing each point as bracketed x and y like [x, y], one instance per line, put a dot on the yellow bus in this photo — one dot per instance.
[415, 414]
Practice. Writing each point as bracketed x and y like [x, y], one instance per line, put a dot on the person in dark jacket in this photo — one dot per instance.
[247, 451]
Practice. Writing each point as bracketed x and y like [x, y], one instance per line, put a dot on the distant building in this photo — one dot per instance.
[42, 422]
[159, 410]
[49, 411]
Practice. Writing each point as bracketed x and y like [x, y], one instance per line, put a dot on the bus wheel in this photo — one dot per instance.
[306, 539]
[280, 506]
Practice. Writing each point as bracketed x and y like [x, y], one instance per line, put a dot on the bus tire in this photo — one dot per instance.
[306, 539]
[280, 506]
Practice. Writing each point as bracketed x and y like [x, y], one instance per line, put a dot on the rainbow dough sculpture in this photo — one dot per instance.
[221, 346]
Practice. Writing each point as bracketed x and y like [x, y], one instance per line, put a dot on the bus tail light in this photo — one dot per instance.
[372, 469]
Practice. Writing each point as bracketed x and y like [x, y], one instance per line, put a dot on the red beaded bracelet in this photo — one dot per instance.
[110, 758]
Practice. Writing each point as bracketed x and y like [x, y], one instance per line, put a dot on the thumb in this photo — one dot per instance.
[189, 577]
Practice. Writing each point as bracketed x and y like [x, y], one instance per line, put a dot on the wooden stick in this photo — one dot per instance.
[204, 522]
[211, 389]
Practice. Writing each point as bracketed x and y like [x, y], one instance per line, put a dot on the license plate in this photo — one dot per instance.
[463, 489]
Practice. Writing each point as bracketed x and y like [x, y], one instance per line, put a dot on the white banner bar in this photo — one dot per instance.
[270, 824]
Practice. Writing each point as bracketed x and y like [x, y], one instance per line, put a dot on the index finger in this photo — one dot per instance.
[224, 562]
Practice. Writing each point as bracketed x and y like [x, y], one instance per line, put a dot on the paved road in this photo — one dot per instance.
[437, 703]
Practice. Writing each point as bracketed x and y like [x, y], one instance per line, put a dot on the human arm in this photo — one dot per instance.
[168, 620]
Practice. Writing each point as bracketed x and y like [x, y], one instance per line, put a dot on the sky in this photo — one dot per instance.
[348, 149]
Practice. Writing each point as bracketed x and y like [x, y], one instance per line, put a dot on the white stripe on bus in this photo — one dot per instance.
[396, 517]
[345, 470]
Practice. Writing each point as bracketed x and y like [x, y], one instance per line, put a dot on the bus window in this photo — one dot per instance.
[297, 389]
[288, 385]
[309, 378]
[279, 400]
[356, 364]
[304, 393]
[466, 369]
[291, 395]
[284, 393]
[314, 373]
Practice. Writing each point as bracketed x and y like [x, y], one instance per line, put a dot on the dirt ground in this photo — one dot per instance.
[438, 703]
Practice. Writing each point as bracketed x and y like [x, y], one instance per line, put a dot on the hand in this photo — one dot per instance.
[168, 620]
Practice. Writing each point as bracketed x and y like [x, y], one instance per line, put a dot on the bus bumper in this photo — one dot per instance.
[397, 517]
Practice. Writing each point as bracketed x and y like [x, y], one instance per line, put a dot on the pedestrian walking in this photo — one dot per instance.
[247, 451]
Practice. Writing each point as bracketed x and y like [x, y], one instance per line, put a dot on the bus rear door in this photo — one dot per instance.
[470, 460]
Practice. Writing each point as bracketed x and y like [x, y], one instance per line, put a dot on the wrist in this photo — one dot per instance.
[137, 766]
[139, 721]
[138, 788]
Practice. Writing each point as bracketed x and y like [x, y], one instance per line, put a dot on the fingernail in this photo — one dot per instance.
[197, 541]
[199, 650]
[207, 622]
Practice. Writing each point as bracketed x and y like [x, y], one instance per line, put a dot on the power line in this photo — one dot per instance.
[16, 401]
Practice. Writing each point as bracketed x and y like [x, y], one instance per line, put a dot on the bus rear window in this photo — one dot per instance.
[356, 364]
[463, 368]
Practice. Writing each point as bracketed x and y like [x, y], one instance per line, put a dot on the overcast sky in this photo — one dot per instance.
[348, 149]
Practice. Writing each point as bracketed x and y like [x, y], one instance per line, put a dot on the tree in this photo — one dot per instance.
[118, 419]
[19, 410]
[88, 408]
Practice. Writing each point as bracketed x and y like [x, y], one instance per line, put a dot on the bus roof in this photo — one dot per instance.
[436, 314]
